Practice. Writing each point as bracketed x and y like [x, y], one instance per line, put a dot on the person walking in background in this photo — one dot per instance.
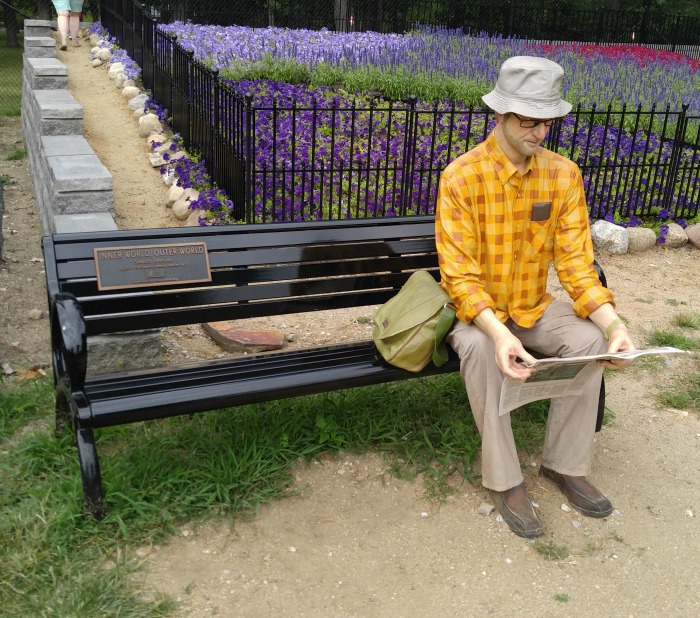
[506, 210]
[68, 12]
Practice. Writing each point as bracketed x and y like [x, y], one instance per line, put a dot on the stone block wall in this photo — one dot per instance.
[74, 190]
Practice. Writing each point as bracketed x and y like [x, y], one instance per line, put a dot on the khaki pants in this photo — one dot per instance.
[568, 445]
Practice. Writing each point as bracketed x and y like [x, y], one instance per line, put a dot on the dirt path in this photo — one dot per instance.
[357, 542]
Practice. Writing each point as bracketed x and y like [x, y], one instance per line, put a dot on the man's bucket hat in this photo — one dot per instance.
[529, 86]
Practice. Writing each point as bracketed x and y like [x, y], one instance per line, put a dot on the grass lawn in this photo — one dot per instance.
[160, 474]
[10, 76]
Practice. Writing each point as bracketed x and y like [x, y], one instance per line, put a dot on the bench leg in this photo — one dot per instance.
[93, 504]
[601, 406]
[62, 409]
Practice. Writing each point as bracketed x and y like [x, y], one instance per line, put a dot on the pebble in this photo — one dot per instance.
[485, 509]
[35, 314]
[689, 513]
[424, 514]
[566, 508]
[576, 523]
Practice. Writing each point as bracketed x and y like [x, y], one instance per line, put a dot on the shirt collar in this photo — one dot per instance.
[503, 166]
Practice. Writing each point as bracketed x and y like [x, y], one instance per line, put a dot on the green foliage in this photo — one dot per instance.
[551, 551]
[669, 338]
[23, 404]
[17, 155]
[686, 319]
[158, 474]
[396, 84]
[10, 77]
[683, 395]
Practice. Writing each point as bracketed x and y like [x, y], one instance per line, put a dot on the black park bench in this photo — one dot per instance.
[102, 283]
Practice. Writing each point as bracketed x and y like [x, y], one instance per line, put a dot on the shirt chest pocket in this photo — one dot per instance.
[538, 241]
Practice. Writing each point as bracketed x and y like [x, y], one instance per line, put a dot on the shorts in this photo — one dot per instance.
[74, 6]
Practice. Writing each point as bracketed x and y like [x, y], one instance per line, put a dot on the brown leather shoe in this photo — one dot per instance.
[517, 511]
[580, 492]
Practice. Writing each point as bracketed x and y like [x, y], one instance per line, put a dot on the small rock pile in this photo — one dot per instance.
[617, 239]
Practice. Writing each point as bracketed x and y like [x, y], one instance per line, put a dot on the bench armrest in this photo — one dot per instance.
[68, 340]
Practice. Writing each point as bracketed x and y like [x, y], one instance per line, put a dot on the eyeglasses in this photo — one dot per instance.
[531, 123]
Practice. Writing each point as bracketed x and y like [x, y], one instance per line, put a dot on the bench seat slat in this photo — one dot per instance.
[117, 399]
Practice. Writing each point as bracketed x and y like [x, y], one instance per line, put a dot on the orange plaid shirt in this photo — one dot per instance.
[491, 251]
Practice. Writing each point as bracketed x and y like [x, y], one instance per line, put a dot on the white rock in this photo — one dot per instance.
[640, 239]
[178, 155]
[164, 147]
[115, 69]
[159, 139]
[566, 508]
[104, 55]
[693, 234]
[130, 92]
[35, 314]
[94, 40]
[120, 80]
[139, 112]
[149, 124]
[193, 219]
[139, 101]
[609, 237]
[155, 159]
[95, 50]
[168, 177]
[174, 194]
[676, 236]
[181, 208]
[485, 508]
[96, 63]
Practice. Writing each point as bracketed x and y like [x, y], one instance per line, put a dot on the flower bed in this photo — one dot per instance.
[331, 136]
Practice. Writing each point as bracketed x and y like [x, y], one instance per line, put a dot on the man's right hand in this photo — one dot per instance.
[508, 351]
[508, 347]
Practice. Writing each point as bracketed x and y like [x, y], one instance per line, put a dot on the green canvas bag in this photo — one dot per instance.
[410, 328]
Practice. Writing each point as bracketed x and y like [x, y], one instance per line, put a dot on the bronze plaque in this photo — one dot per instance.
[120, 268]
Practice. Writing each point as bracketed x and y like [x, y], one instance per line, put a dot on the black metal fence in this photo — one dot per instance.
[301, 161]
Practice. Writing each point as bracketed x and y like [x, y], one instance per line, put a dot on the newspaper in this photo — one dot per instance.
[562, 377]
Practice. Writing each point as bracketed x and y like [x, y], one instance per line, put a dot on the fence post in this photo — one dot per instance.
[246, 211]
[409, 153]
[675, 160]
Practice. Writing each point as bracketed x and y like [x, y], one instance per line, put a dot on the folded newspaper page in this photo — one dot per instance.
[563, 377]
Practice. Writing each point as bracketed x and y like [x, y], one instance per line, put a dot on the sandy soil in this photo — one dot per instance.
[357, 542]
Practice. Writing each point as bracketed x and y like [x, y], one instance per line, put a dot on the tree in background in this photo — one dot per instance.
[11, 26]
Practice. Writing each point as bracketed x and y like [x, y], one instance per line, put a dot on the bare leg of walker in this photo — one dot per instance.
[74, 27]
[62, 23]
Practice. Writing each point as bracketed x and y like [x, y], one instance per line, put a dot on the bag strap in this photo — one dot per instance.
[447, 317]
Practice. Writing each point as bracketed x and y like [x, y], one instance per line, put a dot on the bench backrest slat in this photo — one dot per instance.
[256, 270]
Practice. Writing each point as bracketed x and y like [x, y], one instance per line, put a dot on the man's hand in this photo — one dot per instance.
[615, 330]
[508, 350]
[508, 347]
[620, 341]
